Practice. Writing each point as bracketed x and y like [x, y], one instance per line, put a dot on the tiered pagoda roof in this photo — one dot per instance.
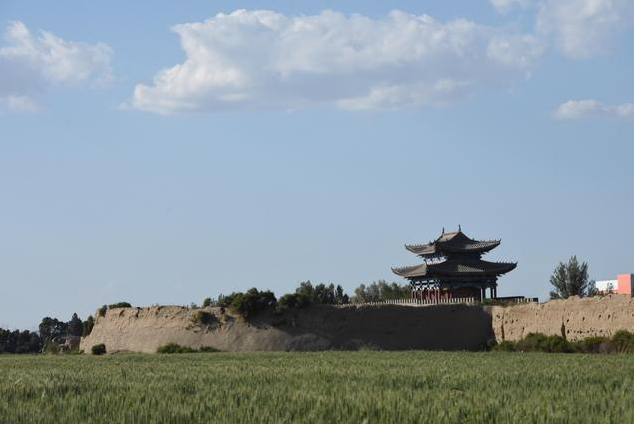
[454, 257]
[453, 242]
[455, 267]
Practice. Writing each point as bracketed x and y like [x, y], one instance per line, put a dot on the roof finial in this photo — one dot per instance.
[459, 229]
[443, 230]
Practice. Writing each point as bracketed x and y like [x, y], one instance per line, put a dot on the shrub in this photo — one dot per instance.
[207, 302]
[369, 348]
[292, 300]
[102, 310]
[119, 305]
[249, 303]
[74, 351]
[202, 318]
[532, 342]
[51, 348]
[88, 326]
[98, 349]
[174, 348]
[537, 342]
[594, 344]
[556, 344]
[505, 346]
[623, 342]
[208, 349]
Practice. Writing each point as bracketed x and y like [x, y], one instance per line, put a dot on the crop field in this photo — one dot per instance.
[329, 387]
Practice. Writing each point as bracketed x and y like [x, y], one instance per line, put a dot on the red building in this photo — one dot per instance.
[622, 285]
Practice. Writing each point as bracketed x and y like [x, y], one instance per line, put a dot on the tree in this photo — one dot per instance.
[52, 329]
[87, 326]
[306, 289]
[341, 298]
[207, 302]
[380, 290]
[75, 326]
[571, 279]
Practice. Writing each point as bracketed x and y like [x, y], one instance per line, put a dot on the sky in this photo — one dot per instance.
[162, 153]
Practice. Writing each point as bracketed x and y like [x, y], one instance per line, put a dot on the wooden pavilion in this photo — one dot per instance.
[453, 268]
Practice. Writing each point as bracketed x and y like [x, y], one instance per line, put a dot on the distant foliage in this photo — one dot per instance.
[176, 348]
[322, 294]
[102, 311]
[98, 349]
[250, 303]
[51, 348]
[51, 334]
[307, 294]
[75, 326]
[207, 302]
[52, 329]
[19, 341]
[292, 300]
[571, 279]
[202, 318]
[380, 290]
[87, 326]
[621, 342]
[119, 305]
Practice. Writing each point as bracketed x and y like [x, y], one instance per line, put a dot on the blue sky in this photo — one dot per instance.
[283, 143]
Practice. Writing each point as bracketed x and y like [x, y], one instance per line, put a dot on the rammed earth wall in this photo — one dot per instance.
[388, 327]
[572, 318]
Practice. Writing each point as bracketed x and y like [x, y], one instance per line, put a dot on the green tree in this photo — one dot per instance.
[341, 298]
[380, 290]
[571, 279]
[207, 302]
[52, 329]
[306, 290]
[87, 326]
[75, 326]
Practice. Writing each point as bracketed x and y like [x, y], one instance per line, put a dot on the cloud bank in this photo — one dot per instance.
[580, 28]
[263, 59]
[581, 109]
[30, 65]
[583, 28]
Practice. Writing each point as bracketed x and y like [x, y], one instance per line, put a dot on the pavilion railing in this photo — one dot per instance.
[452, 301]
[421, 302]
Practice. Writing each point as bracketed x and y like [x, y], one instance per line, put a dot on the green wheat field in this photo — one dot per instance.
[329, 387]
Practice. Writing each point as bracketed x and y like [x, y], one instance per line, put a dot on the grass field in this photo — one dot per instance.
[329, 387]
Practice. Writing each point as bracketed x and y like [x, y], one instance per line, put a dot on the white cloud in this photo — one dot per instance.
[504, 6]
[583, 28]
[263, 59]
[31, 64]
[579, 28]
[580, 109]
[18, 104]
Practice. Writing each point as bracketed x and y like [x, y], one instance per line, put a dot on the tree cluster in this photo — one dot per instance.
[19, 341]
[379, 291]
[51, 333]
[249, 303]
